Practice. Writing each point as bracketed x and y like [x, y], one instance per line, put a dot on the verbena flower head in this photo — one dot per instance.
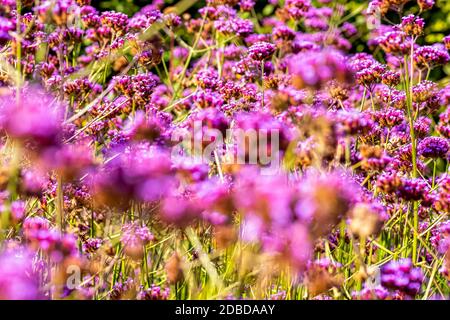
[18, 281]
[314, 70]
[134, 238]
[261, 51]
[6, 26]
[323, 215]
[401, 275]
[434, 147]
[135, 173]
[395, 42]
[412, 25]
[294, 9]
[154, 293]
[446, 41]
[431, 56]
[34, 117]
[376, 293]
[425, 4]
[412, 189]
[390, 78]
[234, 26]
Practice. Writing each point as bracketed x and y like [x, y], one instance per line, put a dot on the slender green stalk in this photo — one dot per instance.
[363, 101]
[262, 83]
[434, 173]
[60, 203]
[18, 51]
[414, 173]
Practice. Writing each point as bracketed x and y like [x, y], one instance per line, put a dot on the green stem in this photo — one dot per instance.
[428, 73]
[18, 52]
[409, 106]
[60, 203]
[188, 61]
[262, 83]
[371, 100]
[363, 101]
[434, 173]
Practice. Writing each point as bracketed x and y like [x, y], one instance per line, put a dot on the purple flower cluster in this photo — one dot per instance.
[153, 293]
[18, 280]
[134, 174]
[402, 276]
[314, 70]
[434, 147]
[261, 51]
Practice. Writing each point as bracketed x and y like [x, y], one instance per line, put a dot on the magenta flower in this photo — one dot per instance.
[402, 276]
[34, 118]
[261, 51]
[315, 70]
[18, 281]
[434, 147]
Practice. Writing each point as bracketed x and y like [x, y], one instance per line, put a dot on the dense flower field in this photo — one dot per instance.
[227, 149]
